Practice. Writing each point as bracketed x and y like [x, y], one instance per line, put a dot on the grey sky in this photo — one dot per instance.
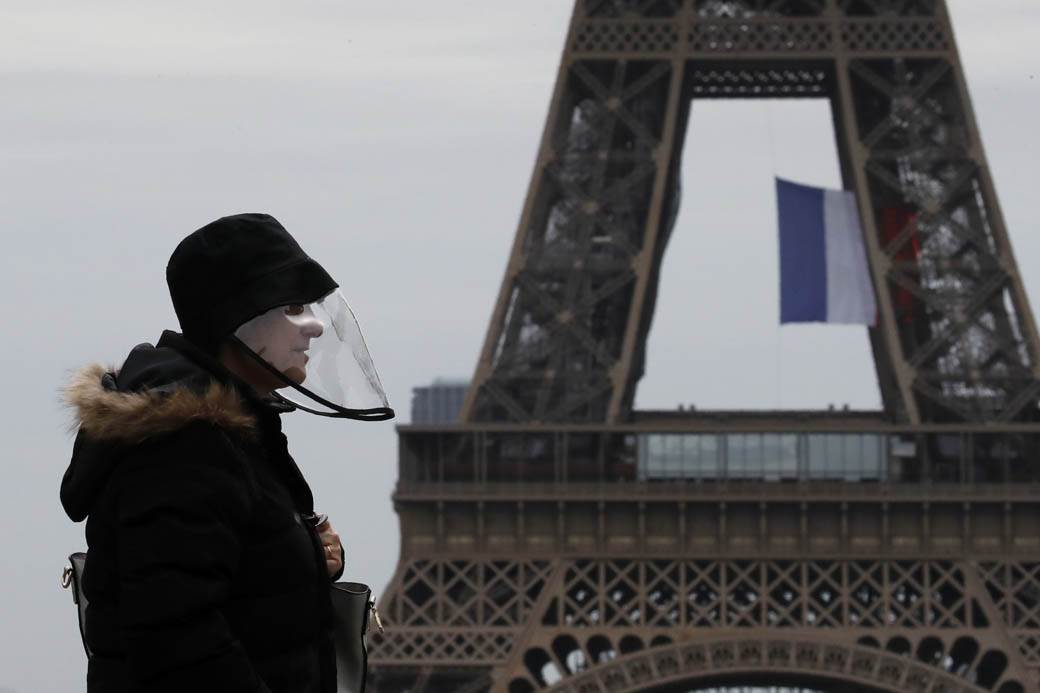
[396, 141]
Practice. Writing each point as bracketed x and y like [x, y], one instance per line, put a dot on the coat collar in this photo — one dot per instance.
[106, 413]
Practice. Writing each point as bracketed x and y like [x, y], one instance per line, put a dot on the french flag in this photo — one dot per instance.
[823, 265]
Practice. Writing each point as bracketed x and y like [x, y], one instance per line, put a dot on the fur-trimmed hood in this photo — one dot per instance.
[106, 413]
[159, 390]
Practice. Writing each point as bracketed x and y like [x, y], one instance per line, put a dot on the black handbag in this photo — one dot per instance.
[352, 607]
[72, 578]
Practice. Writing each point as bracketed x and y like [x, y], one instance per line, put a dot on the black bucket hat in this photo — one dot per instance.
[232, 276]
[234, 269]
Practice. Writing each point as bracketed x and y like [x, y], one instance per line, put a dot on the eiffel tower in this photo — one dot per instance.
[556, 539]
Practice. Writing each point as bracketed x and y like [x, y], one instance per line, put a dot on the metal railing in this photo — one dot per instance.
[611, 458]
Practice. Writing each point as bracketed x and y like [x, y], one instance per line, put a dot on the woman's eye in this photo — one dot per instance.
[294, 310]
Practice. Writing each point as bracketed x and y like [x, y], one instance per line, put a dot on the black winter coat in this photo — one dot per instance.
[203, 572]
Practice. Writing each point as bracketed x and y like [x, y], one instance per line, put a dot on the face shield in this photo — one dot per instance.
[317, 354]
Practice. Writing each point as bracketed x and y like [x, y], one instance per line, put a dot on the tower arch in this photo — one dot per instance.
[812, 663]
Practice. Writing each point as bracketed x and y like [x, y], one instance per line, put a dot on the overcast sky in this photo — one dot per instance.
[395, 140]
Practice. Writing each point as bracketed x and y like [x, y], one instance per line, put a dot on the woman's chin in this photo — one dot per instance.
[295, 374]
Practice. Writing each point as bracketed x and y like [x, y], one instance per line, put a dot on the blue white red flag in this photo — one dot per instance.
[823, 266]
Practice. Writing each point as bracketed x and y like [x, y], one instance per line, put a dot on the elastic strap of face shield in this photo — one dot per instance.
[376, 414]
[338, 412]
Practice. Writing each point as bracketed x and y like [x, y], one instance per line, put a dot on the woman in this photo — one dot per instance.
[207, 568]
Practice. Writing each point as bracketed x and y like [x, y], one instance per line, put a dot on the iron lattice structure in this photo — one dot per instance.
[554, 539]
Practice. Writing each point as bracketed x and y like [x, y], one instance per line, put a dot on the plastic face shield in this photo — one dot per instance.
[318, 352]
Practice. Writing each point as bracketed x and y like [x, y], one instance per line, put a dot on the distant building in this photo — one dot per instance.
[439, 403]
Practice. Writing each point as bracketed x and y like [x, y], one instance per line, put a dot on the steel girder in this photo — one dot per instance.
[605, 584]
[587, 624]
[956, 340]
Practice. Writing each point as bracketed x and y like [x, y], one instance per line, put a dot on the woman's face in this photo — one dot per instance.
[282, 336]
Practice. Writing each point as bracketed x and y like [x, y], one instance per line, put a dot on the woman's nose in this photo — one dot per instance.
[312, 328]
